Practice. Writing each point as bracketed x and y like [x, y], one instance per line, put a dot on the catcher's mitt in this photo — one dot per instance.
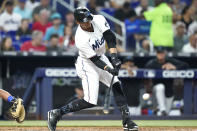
[21, 117]
[17, 110]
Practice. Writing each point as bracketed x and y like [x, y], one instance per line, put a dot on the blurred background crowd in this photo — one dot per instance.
[32, 25]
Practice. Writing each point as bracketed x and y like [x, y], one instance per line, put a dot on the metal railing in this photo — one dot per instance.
[70, 6]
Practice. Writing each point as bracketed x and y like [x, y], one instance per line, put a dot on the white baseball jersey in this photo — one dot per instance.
[10, 22]
[90, 44]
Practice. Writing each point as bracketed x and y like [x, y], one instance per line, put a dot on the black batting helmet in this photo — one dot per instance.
[82, 14]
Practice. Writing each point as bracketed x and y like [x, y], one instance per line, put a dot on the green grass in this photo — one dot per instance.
[85, 123]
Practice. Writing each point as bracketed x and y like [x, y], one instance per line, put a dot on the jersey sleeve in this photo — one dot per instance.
[102, 22]
[149, 15]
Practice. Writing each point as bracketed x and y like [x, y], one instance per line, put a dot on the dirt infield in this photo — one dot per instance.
[97, 129]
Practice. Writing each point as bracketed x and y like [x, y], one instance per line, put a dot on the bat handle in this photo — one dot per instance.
[108, 97]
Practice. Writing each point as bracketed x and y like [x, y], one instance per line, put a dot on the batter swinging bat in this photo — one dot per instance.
[107, 98]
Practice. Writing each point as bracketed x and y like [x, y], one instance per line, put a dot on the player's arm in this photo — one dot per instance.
[111, 42]
[102, 65]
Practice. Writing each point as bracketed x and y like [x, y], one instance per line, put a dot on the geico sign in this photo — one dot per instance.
[125, 73]
[178, 74]
[60, 73]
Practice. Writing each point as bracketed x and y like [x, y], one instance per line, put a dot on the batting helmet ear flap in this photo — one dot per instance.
[82, 14]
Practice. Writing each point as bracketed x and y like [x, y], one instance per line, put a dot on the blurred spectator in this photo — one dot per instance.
[1, 2]
[2, 7]
[70, 20]
[43, 22]
[78, 94]
[129, 65]
[57, 27]
[180, 39]
[31, 4]
[191, 47]
[187, 14]
[126, 12]
[24, 28]
[102, 3]
[69, 42]
[45, 4]
[92, 6]
[162, 88]
[9, 21]
[54, 43]
[123, 13]
[6, 44]
[161, 32]
[81, 3]
[22, 10]
[192, 27]
[177, 7]
[145, 46]
[69, 30]
[194, 5]
[142, 7]
[118, 3]
[131, 86]
[142, 43]
[36, 43]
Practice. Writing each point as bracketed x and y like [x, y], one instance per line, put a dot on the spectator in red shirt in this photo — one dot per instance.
[43, 22]
[35, 44]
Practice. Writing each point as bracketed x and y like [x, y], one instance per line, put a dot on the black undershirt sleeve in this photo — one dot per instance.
[110, 38]
[98, 62]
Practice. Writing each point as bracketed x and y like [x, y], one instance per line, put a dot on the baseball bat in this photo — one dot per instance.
[107, 98]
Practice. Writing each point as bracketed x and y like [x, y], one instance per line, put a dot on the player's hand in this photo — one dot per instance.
[112, 71]
[115, 61]
[168, 66]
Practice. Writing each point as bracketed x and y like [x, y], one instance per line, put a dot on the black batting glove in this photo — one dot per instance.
[112, 71]
[115, 61]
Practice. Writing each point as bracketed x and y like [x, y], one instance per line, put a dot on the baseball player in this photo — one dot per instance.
[17, 110]
[93, 66]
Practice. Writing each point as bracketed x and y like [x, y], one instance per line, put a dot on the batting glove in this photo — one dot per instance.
[115, 61]
[112, 71]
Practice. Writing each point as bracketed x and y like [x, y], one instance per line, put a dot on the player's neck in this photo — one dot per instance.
[91, 29]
